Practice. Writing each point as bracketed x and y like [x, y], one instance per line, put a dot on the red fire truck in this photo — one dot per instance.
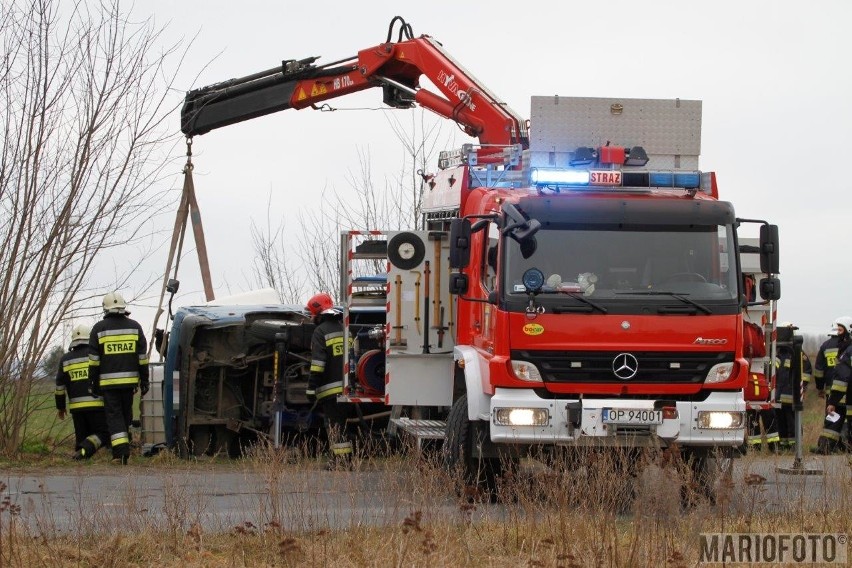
[578, 280]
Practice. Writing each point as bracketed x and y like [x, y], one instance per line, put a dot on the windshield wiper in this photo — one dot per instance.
[578, 296]
[680, 297]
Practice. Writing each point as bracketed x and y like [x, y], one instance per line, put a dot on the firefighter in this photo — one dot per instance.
[826, 365]
[87, 410]
[785, 416]
[326, 377]
[118, 365]
[836, 402]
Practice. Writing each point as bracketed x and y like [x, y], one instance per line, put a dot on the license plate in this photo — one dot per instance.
[639, 416]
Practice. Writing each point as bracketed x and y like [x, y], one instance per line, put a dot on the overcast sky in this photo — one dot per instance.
[773, 76]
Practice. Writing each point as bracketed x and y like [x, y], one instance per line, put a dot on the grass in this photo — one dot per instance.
[569, 514]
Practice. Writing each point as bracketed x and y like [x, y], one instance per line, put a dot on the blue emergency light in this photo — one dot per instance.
[565, 177]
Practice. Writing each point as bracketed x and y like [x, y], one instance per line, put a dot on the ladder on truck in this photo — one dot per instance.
[391, 284]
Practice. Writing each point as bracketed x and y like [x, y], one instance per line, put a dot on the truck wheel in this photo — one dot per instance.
[711, 474]
[479, 474]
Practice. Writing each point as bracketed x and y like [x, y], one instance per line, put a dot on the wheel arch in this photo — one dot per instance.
[475, 376]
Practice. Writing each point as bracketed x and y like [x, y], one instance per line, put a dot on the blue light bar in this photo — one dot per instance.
[685, 180]
[541, 176]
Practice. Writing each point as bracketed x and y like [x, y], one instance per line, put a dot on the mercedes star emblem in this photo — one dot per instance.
[625, 366]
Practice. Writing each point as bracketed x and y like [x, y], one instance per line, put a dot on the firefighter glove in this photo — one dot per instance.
[144, 388]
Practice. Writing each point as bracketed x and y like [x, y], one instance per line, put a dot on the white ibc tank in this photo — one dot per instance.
[151, 407]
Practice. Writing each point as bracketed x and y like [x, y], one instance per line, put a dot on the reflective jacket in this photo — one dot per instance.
[327, 353]
[784, 375]
[842, 378]
[72, 379]
[827, 357]
[119, 354]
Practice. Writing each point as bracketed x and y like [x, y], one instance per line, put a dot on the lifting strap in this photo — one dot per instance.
[188, 208]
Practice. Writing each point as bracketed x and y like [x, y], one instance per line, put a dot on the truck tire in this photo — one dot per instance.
[479, 475]
[710, 476]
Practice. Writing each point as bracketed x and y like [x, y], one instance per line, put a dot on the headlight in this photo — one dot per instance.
[719, 373]
[521, 417]
[526, 371]
[720, 420]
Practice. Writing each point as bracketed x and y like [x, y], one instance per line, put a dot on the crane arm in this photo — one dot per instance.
[396, 67]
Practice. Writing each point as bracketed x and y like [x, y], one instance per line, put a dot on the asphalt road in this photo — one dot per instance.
[100, 498]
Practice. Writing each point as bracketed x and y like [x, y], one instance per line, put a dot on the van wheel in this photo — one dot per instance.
[198, 443]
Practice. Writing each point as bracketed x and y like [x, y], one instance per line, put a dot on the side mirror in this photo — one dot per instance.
[528, 247]
[518, 225]
[458, 283]
[770, 288]
[769, 253]
[459, 243]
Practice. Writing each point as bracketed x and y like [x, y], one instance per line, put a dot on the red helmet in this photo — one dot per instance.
[319, 303]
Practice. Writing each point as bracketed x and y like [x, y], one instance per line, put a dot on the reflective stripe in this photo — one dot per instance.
[85, 402]
[120, 375]
[95, 440]
[329, 390]
[838, 386]
[78, 369]
[341, 449]
[119, 439]
[757, 438]
[118, 335]
[317, 366]
[830, 434]
[143, 359]
[60, 391]
[786, 399]
[121, 381]
[94, 360]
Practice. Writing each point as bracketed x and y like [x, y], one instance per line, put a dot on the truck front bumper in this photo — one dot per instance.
[581, 421]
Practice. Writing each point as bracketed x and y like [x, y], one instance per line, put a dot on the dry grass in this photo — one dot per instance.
[553, 512]
[403, 510]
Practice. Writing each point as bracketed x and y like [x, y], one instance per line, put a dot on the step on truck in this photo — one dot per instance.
[576, 283]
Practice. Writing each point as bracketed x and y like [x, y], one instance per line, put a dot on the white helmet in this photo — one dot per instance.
[846, 322]
[80, 334]
[114, 303]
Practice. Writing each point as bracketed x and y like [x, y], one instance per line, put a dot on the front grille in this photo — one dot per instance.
[655, 367]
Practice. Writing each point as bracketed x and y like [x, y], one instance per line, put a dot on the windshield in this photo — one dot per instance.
[624, 269]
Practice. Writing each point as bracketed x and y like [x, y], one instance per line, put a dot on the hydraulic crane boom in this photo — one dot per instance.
[394, 66]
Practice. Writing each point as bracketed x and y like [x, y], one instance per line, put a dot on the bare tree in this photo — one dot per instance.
[364, 207]
[83, 92]
[271, 264]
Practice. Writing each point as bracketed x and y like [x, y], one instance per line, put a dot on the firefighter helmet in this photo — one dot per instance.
[80, 334]
[320, 304]
[114, 303]
[844, 321]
